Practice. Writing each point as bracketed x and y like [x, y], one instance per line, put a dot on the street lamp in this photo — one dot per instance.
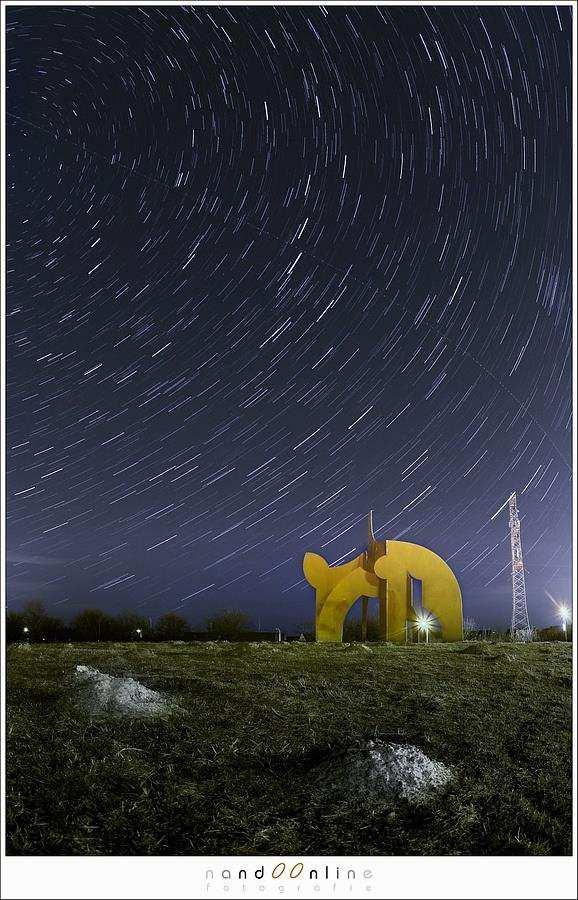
[564, 615]
[139, 633]
[424, 624]
[25, 630]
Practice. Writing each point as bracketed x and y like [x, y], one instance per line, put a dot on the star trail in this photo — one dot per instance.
[268, 268]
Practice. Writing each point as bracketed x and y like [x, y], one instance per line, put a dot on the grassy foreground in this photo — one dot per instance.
[234, 771]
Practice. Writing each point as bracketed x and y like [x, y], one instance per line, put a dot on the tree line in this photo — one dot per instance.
[33, 623]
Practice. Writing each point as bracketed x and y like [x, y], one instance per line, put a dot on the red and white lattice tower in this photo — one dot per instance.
[520, 629]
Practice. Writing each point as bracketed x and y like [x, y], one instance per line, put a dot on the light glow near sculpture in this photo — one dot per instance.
[386, 570]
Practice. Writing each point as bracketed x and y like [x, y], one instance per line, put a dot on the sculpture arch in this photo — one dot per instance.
[385, 571]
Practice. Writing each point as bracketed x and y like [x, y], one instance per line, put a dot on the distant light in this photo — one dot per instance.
[25, 630]
[564, 613]
[139, 631]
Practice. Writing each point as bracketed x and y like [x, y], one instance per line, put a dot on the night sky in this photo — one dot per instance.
[269, 268]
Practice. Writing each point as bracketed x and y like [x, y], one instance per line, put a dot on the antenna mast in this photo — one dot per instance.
[520, 629]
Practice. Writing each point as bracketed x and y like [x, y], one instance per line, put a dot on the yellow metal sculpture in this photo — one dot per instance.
[386, 570]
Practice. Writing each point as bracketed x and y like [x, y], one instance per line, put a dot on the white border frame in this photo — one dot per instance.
[184, 877]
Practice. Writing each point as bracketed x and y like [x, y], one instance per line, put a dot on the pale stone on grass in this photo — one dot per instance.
[382, 771]
[109, 695]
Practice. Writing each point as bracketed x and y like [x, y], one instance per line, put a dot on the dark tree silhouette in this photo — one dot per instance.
[352, 629]
[40, 625]
[170, 627]
[128, 624]
[228, 624]
[15, 624]
[93, 625]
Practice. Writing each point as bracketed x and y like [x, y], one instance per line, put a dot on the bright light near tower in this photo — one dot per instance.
[565, 616]
[564, 613]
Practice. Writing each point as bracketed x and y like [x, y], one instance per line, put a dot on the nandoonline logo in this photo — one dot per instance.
[293, 875]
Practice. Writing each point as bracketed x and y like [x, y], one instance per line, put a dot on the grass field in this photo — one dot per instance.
[232, 770]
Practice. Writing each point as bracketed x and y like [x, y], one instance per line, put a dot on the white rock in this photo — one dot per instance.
[381, 770]
[124, 696]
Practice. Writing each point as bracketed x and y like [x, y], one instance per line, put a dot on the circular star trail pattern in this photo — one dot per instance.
[269, 268]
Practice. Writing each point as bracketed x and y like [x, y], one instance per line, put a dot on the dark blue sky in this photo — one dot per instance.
[269, 268]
